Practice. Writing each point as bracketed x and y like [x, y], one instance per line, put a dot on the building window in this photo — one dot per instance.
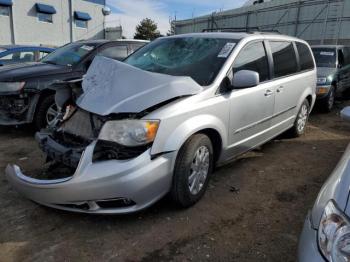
[81, 19]
[81, 23]
[47, 18]
[4, 10]
[45, 12]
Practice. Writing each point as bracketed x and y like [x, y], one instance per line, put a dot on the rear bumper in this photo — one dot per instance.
[308, 248]
[141, 180]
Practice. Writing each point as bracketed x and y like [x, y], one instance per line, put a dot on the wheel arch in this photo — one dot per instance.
[209, 125]
[309, 96]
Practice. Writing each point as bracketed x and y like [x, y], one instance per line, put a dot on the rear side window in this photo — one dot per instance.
[18, 57]
[42, 54]
[253, 57]
[306, 61]
[284, 58]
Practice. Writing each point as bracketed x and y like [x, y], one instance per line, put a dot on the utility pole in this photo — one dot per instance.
[71, 20]
[12, 25]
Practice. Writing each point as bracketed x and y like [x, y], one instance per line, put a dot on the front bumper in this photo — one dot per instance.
[308, 248]
[142, 180]
[16, 109]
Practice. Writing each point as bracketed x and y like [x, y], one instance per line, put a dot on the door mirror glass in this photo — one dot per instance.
[345, 114]
[245, 79]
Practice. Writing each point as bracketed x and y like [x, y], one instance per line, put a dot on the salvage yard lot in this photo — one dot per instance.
[253, 210]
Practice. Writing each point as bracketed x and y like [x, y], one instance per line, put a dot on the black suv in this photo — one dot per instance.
[25, 93]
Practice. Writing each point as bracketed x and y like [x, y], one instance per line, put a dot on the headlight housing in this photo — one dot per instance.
[11, 86]
[321, 80]
[130, 133]
[325, 80]
[334, 234]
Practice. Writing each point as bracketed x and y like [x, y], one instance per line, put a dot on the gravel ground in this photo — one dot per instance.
[253, 210]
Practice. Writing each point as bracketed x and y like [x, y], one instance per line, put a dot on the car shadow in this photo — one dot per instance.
[22, 130]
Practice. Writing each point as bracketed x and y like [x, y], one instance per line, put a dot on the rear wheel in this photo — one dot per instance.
[46, 112]
[299, 126]
[193, 168]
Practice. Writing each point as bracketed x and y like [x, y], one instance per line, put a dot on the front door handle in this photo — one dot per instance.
[268, 92]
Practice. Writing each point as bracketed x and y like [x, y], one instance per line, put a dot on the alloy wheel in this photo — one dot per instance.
[331, 100]
[51, 114]
[199, 170]
[302, 118]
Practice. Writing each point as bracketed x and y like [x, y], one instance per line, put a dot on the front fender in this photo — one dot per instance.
[168, 140]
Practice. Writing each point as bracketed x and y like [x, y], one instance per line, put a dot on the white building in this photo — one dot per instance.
[50, 22]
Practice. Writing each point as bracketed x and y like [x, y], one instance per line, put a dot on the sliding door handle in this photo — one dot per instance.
[268, 93]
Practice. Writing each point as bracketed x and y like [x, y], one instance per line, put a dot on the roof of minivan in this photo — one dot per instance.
[238, 35]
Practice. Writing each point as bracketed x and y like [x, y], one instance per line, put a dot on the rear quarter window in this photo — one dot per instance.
[284, 58]
[305, 57]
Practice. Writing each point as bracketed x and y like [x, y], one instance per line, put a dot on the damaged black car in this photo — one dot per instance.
[26, 94]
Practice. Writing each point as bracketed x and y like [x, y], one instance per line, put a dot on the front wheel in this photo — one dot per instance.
[299, 126]
[46, 112]
[328, 102]
[193, 168]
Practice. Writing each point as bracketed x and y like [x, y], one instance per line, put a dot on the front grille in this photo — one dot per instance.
[106, 150]
[83, 206]
[115, 203]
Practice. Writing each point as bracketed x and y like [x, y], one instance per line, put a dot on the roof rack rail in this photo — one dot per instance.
[251, 30]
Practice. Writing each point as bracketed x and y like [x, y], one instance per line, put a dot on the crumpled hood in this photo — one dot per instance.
[325, 71]
[111, 86]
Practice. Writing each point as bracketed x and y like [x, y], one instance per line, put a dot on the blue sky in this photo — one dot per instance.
[129, 13]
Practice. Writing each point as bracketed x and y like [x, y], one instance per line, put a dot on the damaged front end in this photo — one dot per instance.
[106, 140]
[102, 177]
[16, 106]
[66, 143]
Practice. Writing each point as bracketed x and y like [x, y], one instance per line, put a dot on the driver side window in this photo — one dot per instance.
[253, 57]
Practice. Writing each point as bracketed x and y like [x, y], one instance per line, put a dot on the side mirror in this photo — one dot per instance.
[245, 79]
[345, 114]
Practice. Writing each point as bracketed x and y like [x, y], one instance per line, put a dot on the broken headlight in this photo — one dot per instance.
[11, 86]
[130, 133]
[334, 234]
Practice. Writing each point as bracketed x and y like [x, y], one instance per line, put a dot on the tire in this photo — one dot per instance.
[328, 102]
[299, 126]
[181, 192]
[41, 118]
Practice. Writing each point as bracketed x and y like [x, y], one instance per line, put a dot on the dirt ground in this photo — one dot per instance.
[253, 210]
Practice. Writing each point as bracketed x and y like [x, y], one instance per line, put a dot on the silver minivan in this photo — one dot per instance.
[160, 122]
